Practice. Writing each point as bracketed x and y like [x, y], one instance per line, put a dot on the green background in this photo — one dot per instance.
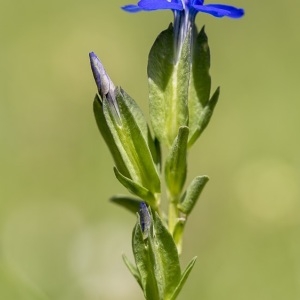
[60, 238]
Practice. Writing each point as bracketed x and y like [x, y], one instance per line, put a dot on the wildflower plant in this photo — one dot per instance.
[181, 106]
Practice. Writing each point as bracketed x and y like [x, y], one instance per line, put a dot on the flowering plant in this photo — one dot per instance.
[181, 106]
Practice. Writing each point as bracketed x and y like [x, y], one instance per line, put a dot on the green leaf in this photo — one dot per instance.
[192, 194]
[168, 86]
[200, 81]
[129, 203]
[183, 279]
[176, 163]
[200, 86]
[144, 263]
[140, 120]
[165, 258]
[205, 117]
[136, 189]
[132, 139]
[108, 137]
[132, 269]
[157, 260]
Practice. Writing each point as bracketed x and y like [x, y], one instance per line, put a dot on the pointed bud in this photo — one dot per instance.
[106, 88]
[145, 219]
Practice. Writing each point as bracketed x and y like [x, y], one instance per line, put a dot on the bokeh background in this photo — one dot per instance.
[60, 238]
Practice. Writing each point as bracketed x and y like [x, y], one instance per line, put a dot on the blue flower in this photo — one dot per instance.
[185, 12]
[191, 6]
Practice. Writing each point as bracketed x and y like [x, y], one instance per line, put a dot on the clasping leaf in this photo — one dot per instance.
[168, 86]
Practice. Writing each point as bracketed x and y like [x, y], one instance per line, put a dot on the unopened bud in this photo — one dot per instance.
[145, 219]
[105, 86]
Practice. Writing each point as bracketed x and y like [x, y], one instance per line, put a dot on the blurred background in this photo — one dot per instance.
[60, 238]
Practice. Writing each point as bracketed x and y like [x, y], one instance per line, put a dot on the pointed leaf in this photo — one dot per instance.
[132, 269]
[141, 122]
[201, 66]
[205, 117]
[200, 81]
[108, 137]
[168, 86]
[165, 255]
[192, 194]
[144, 264]
[129, 203]
[176, 163]
[184, 277]
[136, 189]
[200, 70]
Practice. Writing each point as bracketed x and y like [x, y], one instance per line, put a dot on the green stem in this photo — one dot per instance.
[173, 213]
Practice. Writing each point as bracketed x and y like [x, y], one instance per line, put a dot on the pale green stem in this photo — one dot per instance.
[173, 213]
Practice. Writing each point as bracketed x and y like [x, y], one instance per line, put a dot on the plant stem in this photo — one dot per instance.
[173, 213]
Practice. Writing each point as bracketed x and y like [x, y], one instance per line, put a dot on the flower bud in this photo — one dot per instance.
[145, 219]
[106, 88]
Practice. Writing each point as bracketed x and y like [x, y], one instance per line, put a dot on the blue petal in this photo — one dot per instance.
[160, 4]
[132, 8]
[197, 2]
[220, 10]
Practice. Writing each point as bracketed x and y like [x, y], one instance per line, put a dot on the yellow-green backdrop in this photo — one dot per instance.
[60, 238]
